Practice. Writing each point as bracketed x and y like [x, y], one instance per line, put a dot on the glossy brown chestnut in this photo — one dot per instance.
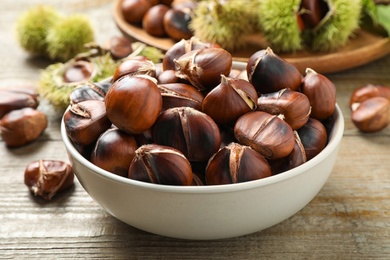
[119, 47]
[161, 165]
[167, 76]
[152, 21]
[134, 10]
[267, 134]
[86, 121]
[203, 67]
[114, 150]
[368, 91]
[321, 93]
[180, 48]
[176, 24]
[229, 100]
[180, 95]
[86, 91]
[372, 115]
[270, 73]
[190, 131]
[312, 12]
[133, 103]
[46, 178]
[314, 137]
[13, 99]
[236, 163]
[134, 66]
[294, 106]
[22, 126]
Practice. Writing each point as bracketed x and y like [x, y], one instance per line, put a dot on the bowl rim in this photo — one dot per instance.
[334, 140]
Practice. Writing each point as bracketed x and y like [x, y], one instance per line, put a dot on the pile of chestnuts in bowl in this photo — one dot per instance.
[201, 146]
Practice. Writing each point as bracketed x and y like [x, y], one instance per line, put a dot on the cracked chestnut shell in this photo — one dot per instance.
[270, 73]
[229, 100]
[294, 106]
[267, 134]
[236, 163]
[45, 178]
[188, 130]
[161, 165]
[133, 103]
[134, 66]
[86, 121]
[180, 95]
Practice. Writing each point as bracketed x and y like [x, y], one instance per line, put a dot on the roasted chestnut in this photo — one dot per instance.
[270, 73]
[313, 136]
[229, 100]
[86, 91]
[371, 115]
[86, 121]
[114, 150]
[134, 66]
[294, 106]
[203, 67]
[368, 91]
[133, 103]
[22, 126]
[190, 131]
[267, 134]
[45, 178]
[160, 164]
[180, 95]
[236, 163]
[321, 93]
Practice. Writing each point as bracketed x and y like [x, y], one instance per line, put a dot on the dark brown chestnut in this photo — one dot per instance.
[86, 91]
[321, 93]
[86, 121]
[133, 103]
[229, 100]
[176, 24]
[152, 21]
[161, 165]
[270, 73]
[22, 126]
[46, 178]
[190, 131]
[312, 12]
[134, 66]
[134, 10]
[236, 163]
[13, 99]
[267, 134]
[180, 95]
[114, 150]
[314, 137]
[372, 115]
[203, 67]
[119, 47]
[294, 106]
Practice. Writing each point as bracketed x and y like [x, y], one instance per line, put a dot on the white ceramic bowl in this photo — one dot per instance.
[208, 212]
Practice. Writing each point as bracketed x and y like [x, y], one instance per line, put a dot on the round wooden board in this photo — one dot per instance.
[362, 48]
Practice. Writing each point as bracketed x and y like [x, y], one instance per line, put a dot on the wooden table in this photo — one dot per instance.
[349, 219]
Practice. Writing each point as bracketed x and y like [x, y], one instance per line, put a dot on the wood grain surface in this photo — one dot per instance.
[348, 219]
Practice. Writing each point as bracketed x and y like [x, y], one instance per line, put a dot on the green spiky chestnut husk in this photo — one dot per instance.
[278, 20]
[67, 37]
[221, 22]
[337, 26]
[32, 28]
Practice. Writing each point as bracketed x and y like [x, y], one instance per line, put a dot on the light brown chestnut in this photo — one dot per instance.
[133, 103]
[180, 95]
[22, 126]
[368, 91]
[203, 68]
[134, 66]
[294, 106]
[176, 24]
[114, 150]
[86, 121]
[236, 163]
[314, 137]
[270, 73]
[267, 134]
[13, 99]
[321, 93]
[152, 21]
[161, 165]
[372, 115]
[190, 131]
[46, 178]
[229, 100]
